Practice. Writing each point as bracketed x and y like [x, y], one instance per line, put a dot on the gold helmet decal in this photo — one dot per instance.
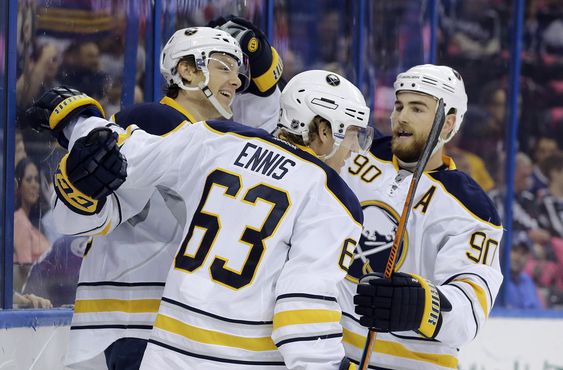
[253, 44]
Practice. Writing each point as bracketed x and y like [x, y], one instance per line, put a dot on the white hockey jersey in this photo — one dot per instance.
[270, 233]
[123, 273]
[452, 238]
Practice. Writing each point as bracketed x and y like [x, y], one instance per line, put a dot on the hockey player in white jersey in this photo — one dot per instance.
[253, 284]
[447, 271]
[123, 273]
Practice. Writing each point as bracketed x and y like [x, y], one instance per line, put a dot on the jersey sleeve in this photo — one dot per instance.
[468, 269]
[257, 111]
[306, 324]
[149, 163]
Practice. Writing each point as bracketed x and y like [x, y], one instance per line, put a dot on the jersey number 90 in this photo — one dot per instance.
[279, 201]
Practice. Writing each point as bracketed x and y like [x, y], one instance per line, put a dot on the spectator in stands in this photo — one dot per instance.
[476, 33]
[544, 147]
[551, 200]
[546, 262]
[20, 148]
[521, 292]
[57, 274]
[29, 241]
[30, 301]
[470, 163]
[80, 69]
[39, 75]
[524, 208]
[483, 133]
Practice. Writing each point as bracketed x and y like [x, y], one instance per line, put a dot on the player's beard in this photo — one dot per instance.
[408, 151]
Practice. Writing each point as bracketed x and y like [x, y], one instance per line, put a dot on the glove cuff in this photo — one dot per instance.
[267, 80]
[429, 324]
[71, 196]
[72, 106]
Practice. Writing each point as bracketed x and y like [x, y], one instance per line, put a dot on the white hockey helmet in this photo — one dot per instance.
[328, 95]
[439, 82]
[201, 42]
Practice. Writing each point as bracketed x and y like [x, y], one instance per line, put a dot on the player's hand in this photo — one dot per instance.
[92, 170]
[266, 66]
[58, 107]
[403, 302]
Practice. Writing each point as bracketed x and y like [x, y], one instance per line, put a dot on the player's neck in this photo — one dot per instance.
[199, 109]
[435, 160]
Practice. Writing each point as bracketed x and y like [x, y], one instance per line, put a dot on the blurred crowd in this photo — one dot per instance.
[474, 37]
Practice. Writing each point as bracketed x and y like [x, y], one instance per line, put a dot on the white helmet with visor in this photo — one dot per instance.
[332, 97]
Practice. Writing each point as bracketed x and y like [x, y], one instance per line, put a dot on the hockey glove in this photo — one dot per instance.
[403, 302]
[92, 170]
[266, 66]
[58, 107]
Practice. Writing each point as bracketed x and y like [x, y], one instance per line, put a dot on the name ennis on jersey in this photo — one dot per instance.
[264, 161]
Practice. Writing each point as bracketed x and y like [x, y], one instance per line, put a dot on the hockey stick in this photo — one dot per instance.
[433, 136]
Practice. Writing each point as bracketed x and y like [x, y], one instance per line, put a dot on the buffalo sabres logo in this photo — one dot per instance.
[378, 234]
[190, 31]
[332, 80]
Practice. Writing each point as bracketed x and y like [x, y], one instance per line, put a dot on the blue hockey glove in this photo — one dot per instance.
[403, 302]
[92, 170]
[266, 66]
[59, 106]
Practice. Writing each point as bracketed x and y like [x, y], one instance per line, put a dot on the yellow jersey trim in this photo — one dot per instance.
[128, 132]
[307, 149]
[480, 293]
[399, 350]
[105, 230]
[299, 317]
[206, 336]
[174, 104]
[119, 305]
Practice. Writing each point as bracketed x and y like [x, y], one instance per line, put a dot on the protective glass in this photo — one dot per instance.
[230, 64]
[357, 139]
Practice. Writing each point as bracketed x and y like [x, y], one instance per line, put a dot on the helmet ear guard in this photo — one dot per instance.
[440, 82]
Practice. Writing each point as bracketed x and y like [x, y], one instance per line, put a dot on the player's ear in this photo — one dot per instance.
[187, 71]
[449, 125]
[324, 131]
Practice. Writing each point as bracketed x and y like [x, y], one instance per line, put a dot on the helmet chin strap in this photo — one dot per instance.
[203, 86]
[213, 100]
[324, 157]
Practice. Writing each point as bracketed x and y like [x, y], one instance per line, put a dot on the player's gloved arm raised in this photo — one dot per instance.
[60, 106]
[92, 170]
[266, 66]
[401, 303]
